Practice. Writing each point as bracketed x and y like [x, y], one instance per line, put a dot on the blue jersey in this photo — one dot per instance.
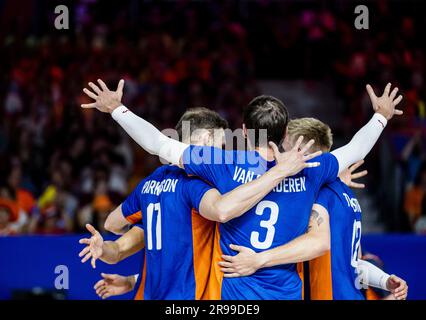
[334, 276]
[177, 238]
[279, 218]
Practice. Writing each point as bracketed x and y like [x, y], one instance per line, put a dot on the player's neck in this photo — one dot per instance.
[265, 153]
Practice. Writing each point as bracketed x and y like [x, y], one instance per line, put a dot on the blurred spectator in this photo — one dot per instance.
[74, 165]
[415, 196]
[420, 226]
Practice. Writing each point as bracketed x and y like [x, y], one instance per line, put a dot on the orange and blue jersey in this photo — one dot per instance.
[279, 218]
[178, 241]
[333, 276]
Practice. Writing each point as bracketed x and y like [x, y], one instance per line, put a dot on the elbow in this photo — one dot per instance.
[111, 227]
[223, 215]
[322, 246]
[222, 218]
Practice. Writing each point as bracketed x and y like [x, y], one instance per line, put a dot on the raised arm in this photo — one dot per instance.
[222, 208]
[312, 244]
[144, 133]
[364, 140]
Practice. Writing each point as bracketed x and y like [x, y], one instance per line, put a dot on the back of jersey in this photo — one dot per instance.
[339, 266]
[176, 237]
[279, 218]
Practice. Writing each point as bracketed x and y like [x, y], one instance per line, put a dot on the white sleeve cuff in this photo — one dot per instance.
[372, 275]
[148, 136]
[380, 119]
[115, 114]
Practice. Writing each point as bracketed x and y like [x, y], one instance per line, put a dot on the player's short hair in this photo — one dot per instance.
[266, 112]
[201, 118]
[311, 128]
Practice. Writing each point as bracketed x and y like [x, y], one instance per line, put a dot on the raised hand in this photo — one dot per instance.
[243, 264]
[386, 103]
[348, 175]
[293, 161]
[113, 285]
[94, 246]
[105, 99]
[397, 287]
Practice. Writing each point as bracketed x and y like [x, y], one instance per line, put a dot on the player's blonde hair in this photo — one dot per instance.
[311, 128]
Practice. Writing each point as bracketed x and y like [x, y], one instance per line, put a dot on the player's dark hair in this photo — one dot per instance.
[266, 112]
[201, 118]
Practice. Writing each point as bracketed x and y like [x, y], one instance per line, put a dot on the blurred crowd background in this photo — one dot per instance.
[61, 167]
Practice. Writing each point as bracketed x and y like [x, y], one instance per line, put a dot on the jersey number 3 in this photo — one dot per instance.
[153, 208]
[266, 224]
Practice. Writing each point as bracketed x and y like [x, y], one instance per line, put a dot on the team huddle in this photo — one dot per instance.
[217, 223]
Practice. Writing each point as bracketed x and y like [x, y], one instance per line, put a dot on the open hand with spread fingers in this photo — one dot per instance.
[295, 160]
[105, 99]
[94, 246]
[348, 176]
[386, 103]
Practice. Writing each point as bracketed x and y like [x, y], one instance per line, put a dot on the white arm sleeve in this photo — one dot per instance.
[362, 142]
[148, 136]
[372, 275]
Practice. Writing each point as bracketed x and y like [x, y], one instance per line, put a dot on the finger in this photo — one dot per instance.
[312, 155]
[227, 270]
[99, 284]
[225, 264]
[371, 92]
[88, 105]
[397, 100]
[95, 88]
[357, 185]
[356, 165]
[275, 149]
[235, 247]
[387, 89]
[108, 276]
[312, 164]
[120, 87]
[398, 112]
[307, 146]
[393, 93]
[401, 295]
[228, 258]
[93, 262]
[298, 143]
[106, 295]
[84, 251]
[84, 241]
[359, 174]
[91, 229]
[101, 290]
[86, 257]
[103, 85]
[90, 94]
[231, 275]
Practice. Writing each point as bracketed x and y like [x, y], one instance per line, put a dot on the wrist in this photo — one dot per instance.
[384, 282]
[277, 174]
[381, 117]
[261, 260]
[130, 282]
[117, 111]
